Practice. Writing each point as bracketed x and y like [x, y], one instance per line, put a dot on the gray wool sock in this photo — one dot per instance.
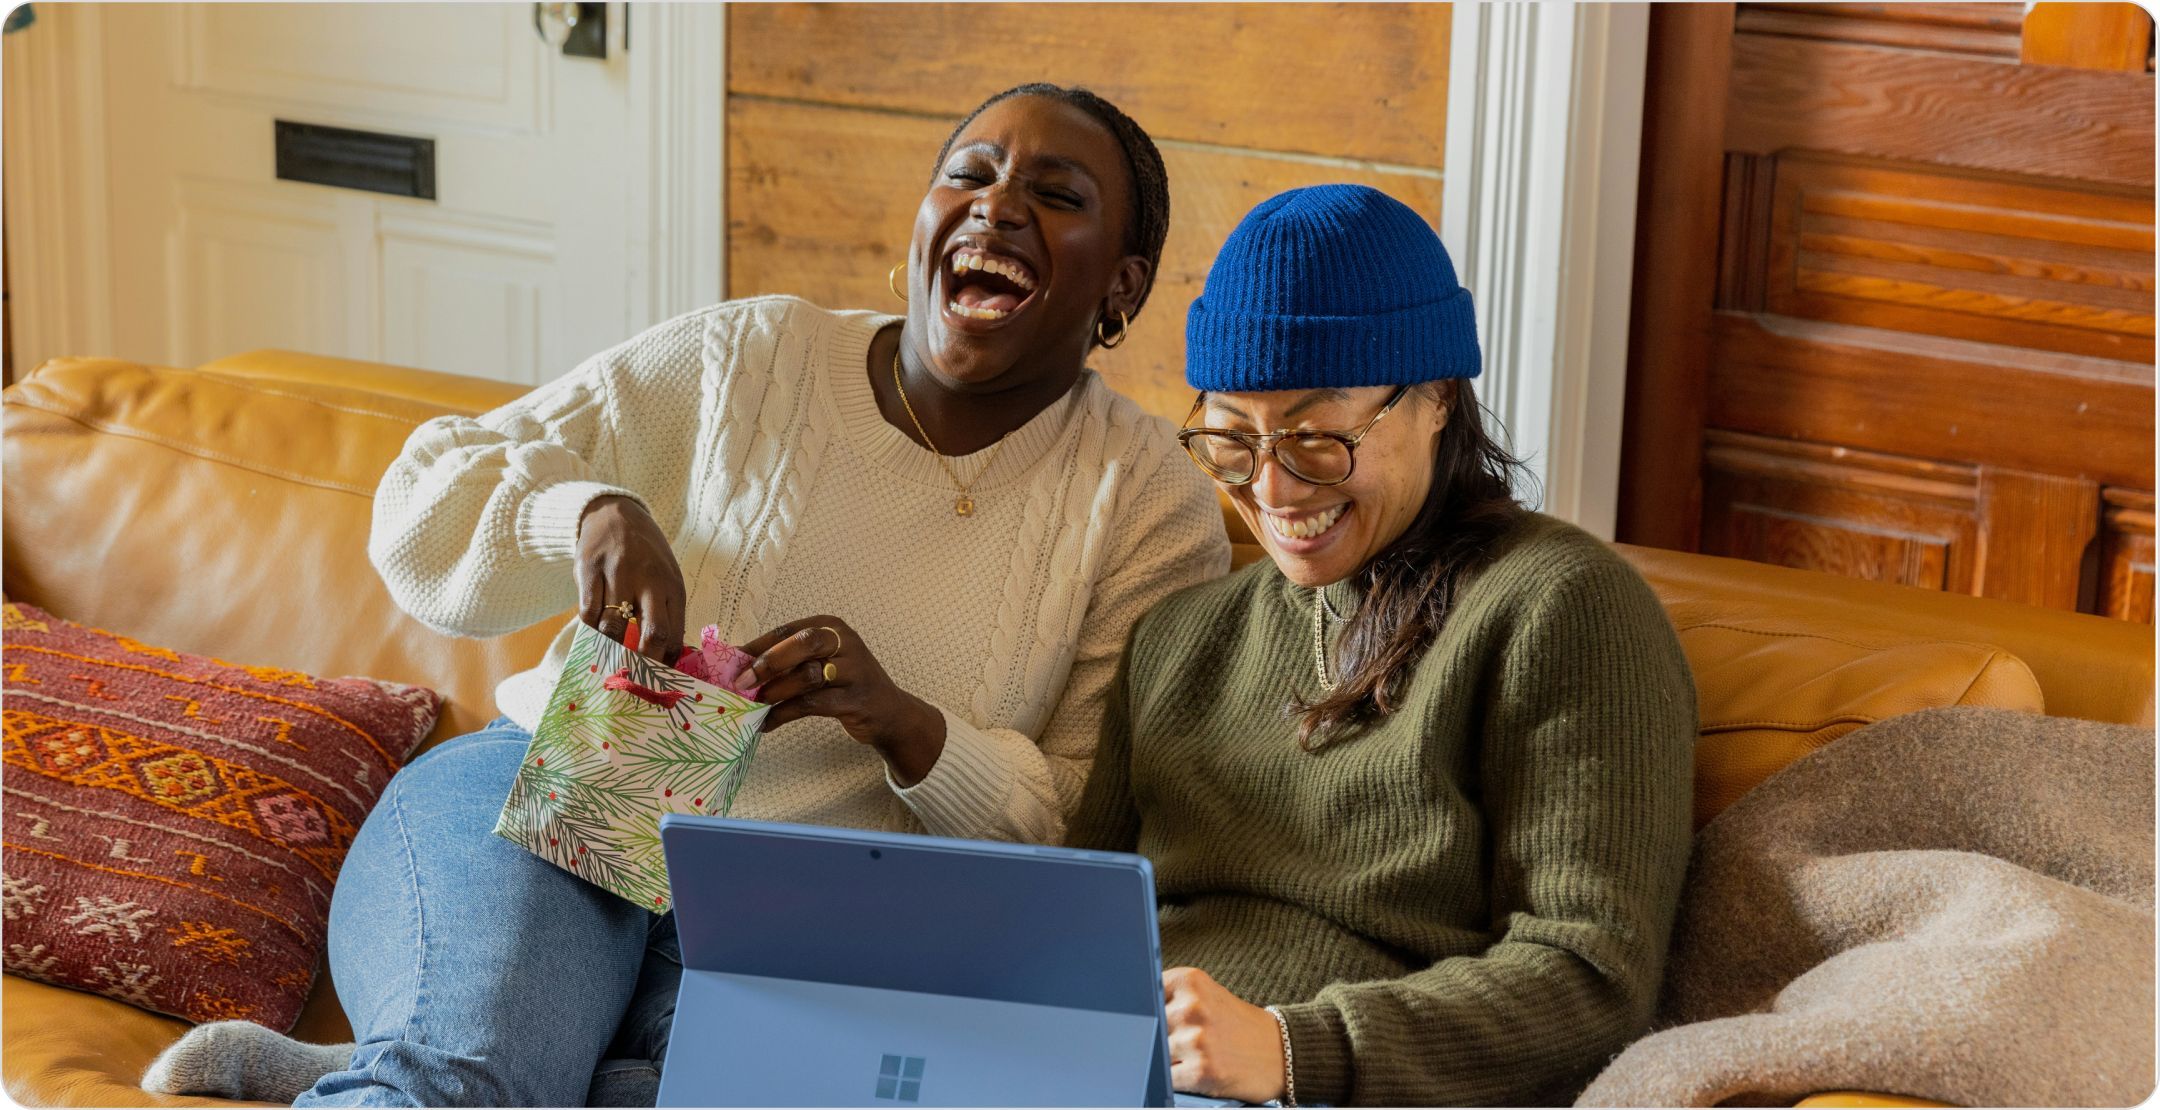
[240, 1059]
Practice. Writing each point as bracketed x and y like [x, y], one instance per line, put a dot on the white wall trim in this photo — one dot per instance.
[678, 202]
[60, 240]
[1544, 135]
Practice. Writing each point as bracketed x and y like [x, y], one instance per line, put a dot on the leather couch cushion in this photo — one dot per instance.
[226, 517]
[1786, 661]
[1772, 691]
[450, 392]
[2087, 667]
[67, 1048]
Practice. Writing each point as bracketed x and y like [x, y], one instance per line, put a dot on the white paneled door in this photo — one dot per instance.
[518, 267]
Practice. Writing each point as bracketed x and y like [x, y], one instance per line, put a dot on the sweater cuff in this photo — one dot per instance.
[547, 520]
[1319, 1052]
[967, 788]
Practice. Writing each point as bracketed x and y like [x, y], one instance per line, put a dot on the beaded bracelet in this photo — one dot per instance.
[1289, 1062]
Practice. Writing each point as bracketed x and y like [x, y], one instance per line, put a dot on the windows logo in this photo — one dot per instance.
[900, 1078]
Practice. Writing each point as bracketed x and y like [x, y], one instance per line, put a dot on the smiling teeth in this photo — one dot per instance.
[963, 261]
[1306, 528]
[958, 309]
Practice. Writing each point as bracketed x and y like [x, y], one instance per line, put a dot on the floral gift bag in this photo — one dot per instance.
[624, 740]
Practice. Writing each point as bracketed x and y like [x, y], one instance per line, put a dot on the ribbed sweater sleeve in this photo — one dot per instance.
[1001, 784]
[476, 522]
[1585, 757]
[1106, 819]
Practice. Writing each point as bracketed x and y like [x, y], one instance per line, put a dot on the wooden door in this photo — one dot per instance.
[1894, 296]
[512, 270]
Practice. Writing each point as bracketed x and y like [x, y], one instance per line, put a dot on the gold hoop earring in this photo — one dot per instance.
[1124, 329]
[892, 281]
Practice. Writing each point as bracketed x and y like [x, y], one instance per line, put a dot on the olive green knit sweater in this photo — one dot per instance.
[1466, 903]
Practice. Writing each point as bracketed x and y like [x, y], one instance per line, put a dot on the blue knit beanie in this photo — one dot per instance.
[1330, 286]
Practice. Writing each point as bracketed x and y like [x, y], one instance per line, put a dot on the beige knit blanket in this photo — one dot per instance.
[1956, 904]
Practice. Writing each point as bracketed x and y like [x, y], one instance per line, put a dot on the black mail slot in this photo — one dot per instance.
[394, 164]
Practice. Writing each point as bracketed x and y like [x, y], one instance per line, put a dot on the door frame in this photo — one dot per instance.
[59, 249]
[1544, 141]
[1668, 348]
[678, 189]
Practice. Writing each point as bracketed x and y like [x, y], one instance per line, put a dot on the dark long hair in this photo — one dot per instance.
[1408, 590]
[1150, 223]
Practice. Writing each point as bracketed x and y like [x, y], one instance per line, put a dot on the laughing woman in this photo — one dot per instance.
[934, 531]
[1416, 787]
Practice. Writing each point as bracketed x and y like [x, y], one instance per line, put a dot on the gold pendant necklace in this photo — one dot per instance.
[963, 505]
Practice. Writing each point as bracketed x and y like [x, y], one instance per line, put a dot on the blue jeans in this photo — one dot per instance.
[476, 973]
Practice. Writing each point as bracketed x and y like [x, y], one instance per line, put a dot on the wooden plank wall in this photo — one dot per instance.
[835, 112]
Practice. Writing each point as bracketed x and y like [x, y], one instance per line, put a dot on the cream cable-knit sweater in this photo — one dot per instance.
[750, 431]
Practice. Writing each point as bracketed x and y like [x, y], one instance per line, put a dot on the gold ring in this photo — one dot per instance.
[838, 641]
[831, 673]
[625, 609]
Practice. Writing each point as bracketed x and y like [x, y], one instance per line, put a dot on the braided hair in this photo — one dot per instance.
[1150, 222]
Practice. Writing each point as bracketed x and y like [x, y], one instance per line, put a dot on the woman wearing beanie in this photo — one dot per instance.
[982, 518]
[1416, 788]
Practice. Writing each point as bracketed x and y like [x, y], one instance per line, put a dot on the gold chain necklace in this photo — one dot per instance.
[963, 505]
[1319, 639]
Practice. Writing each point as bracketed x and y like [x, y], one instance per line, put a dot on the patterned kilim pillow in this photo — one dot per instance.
[175, 823]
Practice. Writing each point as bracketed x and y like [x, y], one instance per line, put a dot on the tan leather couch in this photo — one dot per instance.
[225, 510]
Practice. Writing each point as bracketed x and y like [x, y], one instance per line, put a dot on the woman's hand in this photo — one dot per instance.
[622, 555]
[1220, 1045]
[790, 667]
